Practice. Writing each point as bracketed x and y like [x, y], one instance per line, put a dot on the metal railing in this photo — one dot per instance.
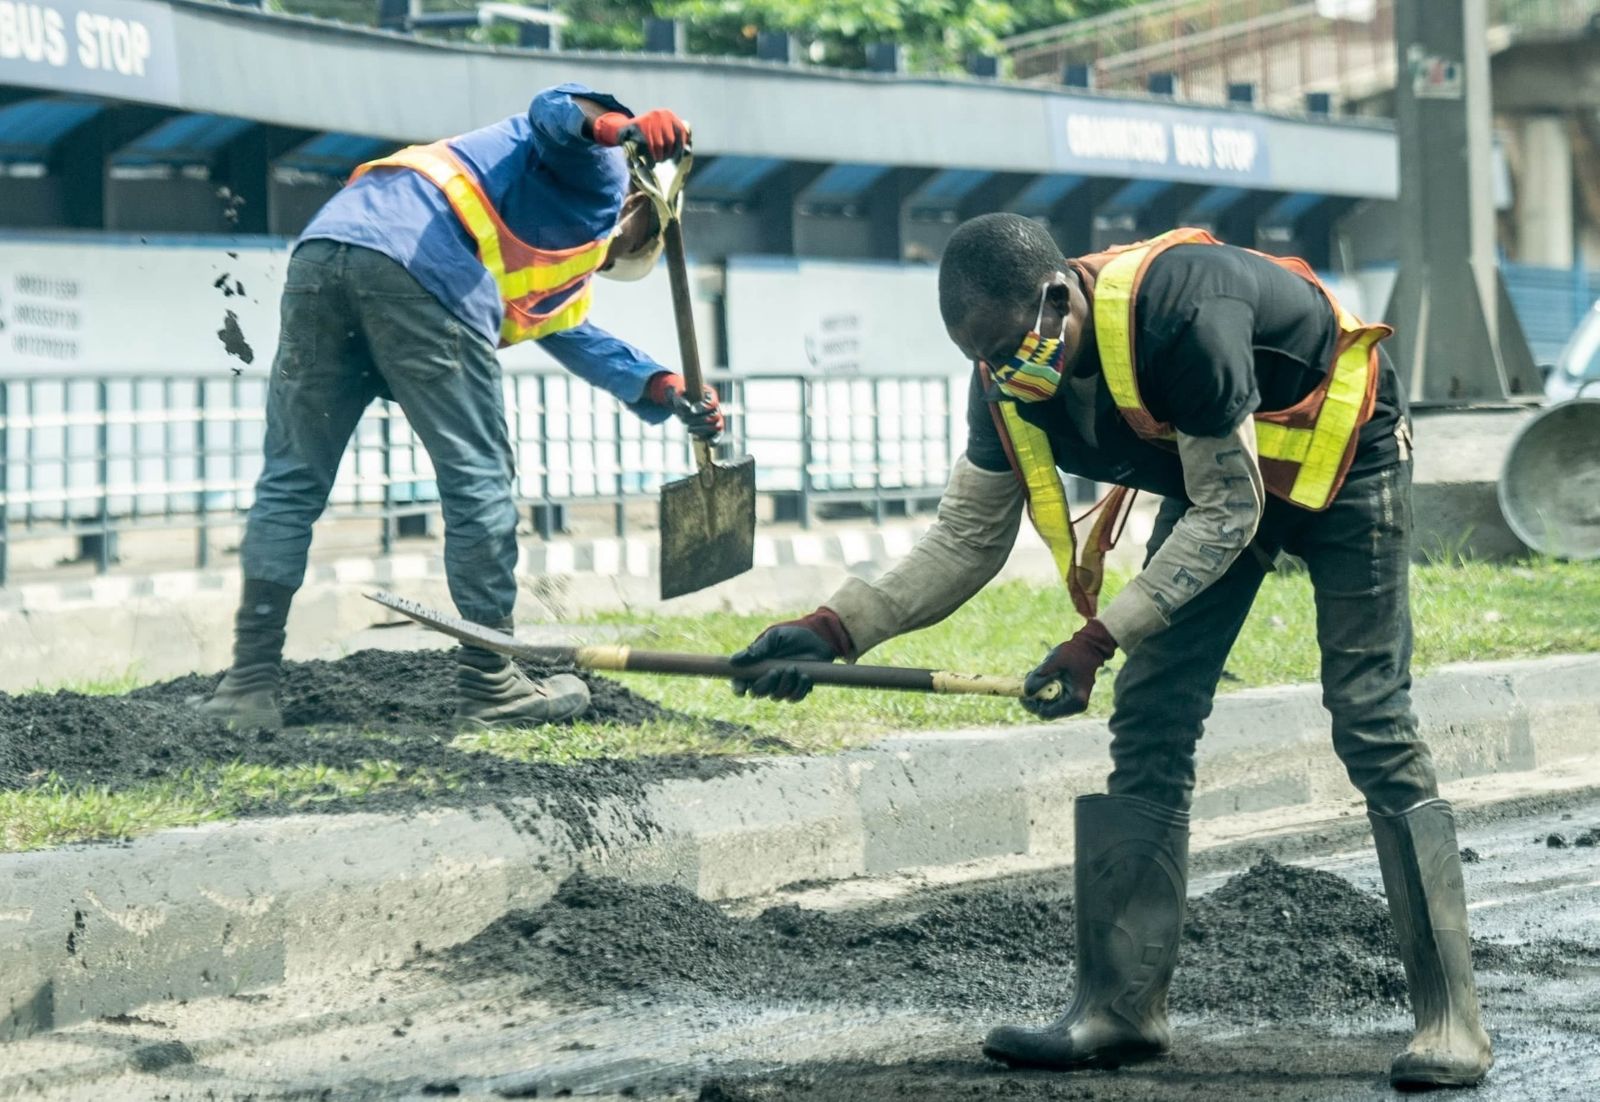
[1285, 48]
[92, 458]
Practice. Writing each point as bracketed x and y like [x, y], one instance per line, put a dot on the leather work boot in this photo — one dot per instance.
[1130, 876]
[493, 691]
[247, 697]
[1422, 877]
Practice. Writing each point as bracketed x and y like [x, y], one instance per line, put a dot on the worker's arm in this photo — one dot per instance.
[610, 363]
[649, 390]
[1222, 477]
[576, 115]
[1209, 371]
[564, 115]
[958, 555]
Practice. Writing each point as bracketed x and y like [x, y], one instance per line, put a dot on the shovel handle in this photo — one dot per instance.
[683, 314]
[668, 201]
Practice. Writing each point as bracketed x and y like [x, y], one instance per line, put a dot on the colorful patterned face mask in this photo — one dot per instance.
[1033, 372]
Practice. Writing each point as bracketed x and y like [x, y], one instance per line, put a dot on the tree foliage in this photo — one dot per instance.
[937, 35]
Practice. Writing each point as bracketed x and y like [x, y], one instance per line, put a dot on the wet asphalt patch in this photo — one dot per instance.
[1276, 942]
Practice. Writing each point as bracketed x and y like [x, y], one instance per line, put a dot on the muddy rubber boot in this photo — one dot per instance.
[1130, 876]
[247, 696]
[493, 691]
[1421, 866]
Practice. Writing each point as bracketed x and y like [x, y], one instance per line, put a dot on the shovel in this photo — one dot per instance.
[708, 520]
[902, 678]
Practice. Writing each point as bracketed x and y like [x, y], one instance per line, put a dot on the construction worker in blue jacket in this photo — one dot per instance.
[402, 286]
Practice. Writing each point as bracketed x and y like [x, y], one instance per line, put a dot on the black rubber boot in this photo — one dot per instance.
[1421, 866]
[1130, 877]
[247, 697]
[492, 691]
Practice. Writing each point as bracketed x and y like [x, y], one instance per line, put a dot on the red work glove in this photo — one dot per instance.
[703, 419]
[660, 134]
[817, 637]
[1074, 664]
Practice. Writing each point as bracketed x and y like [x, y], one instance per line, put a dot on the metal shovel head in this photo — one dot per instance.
[708, 527]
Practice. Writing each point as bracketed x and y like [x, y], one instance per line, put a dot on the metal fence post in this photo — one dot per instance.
[877, 386]
[202, 470]
[386, 442]
[621, 507]
[103, 558]
[806, 407]
[5, 478]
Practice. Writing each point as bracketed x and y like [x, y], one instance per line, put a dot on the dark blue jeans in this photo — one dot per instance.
[1358, 553]
[356, 325]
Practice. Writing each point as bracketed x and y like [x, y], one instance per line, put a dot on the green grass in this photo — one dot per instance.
[1462, 612]
[51, 813]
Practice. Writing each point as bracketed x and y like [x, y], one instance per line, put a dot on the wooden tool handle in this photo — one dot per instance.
[899, 678]
[683, 314]
[902, 678]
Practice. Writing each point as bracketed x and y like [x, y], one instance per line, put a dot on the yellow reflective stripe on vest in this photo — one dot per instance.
[1113, 313]
[567, 317]
[1337, 422]
[1047, 497]
[1114, 289]
[480, 223]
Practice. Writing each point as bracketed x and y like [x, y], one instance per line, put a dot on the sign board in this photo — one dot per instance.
[1434, 77]
[836, 318]
[71, 307]
[1168, 143]
[117, 48]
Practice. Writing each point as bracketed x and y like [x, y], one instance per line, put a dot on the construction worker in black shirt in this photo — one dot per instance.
[1235, 386]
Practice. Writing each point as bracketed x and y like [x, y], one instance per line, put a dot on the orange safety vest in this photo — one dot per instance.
[1305, 451]
[544, 291]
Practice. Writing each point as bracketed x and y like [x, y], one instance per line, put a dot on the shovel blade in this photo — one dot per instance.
[708, 527]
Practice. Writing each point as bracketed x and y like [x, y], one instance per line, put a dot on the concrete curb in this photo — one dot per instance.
[98, 930]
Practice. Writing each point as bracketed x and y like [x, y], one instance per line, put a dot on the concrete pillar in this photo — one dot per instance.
[1544, 193]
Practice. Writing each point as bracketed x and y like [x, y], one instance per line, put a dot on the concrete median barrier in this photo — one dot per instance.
[87, 931]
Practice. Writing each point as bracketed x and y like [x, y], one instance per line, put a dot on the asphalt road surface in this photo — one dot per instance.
[1286, 990]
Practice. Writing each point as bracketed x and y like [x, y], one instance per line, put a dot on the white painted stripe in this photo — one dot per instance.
[607, 557]
[407, 567]
[897, 541]
[1523, 897]
[808, 550]
[354, 570]
[766, 551]
[560, 557]
[854, 546]
[641, 556]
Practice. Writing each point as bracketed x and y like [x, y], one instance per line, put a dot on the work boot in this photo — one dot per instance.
[1130, 876]
[1422, 878]
[247, 696]
[493, 691]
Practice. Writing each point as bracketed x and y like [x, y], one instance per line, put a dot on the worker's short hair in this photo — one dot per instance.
[994, 259]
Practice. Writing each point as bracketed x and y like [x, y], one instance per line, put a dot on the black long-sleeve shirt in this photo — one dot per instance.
[1219, 333]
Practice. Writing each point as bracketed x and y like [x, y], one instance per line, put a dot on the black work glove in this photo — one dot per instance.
[817, 637]
[703, 419]
[1073, 664]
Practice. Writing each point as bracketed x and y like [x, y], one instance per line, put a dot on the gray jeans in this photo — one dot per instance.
[1358, 553]
[356, 325]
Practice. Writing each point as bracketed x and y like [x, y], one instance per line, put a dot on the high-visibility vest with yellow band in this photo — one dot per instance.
[544, 291]
[1305, 450]
[1033, 459]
